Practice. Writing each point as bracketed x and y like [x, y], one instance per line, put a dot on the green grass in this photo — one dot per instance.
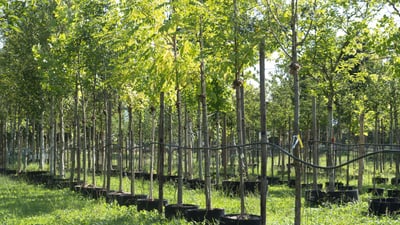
[22, 203]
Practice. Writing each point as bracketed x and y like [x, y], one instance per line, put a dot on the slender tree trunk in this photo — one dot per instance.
[161, 149]
[62, 141]
[141, 158]
[26, 152]
[170, 141]
[204, 112]
[84, 144]
[131, 146]
[41, 141]
[361, 152]
[294, 69]
[263, 128]
[314, 142]
[19, 145]
[120, 147]
[224, 148]
[180, 155]
[330, 139]
[217, 152]
[109, 144]
[52, 132]
[153, 134]
[93, 137]
[199, 141]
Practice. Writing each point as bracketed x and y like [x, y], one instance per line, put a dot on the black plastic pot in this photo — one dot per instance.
[379, 180]
[233, 187]
[126, 199]
[113, 196]
[335, 197]
[251, 186]
[195, 183]
[393, 193]
[311, 186]
[338, 185]
[350, 196]
[237, 219]
[384, 206]
[394, 180]
[211, 216]
[314, 197]
[178, 210]
[58, 183]
[149, 204]
[273, 180]
[376, 191]
[94, 192]
[230, 187]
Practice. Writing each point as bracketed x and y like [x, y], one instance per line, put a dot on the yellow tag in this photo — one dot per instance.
[300, 142]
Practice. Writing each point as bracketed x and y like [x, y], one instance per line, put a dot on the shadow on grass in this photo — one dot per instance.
[22, 200]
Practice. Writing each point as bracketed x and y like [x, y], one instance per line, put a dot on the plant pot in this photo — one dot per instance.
[335, 197]
[149, 204]
[338, 185]
[311, 186]
[171, 178]
[379, 180]
[196, 184]
[178, 210]
[376, 191]
[394, 193]
[384, 206]
[230, 187]
[350, 196]
[113, 196]
[94, 192]
[251, 186]
[314, 197]
[126, 199]
[237, 219]
[58, 183]
[273, 180]
[203, 215]
[393, 181]
[344, 188]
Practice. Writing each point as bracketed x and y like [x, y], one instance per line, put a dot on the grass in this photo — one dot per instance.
[22, 203]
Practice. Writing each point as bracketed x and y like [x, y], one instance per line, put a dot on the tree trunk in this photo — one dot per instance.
[199, 140]
[120, 146]
[153, 134]
[26, 151]
[161, 149]
[131, 146]
[361, 152]
[52, 149]
[263, 129]
[180, 155]
[170, 141]
[140, 163]
[330, 154]
[84, 144]
[62, 142]
[294, 69]
[314, 142]
[109, 144]
[224, 145]
[41, 141]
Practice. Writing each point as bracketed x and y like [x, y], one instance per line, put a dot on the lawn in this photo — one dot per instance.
[22, 203]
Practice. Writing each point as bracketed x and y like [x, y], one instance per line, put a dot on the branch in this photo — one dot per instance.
[309, 28]
[281, 26]
[391, 3]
